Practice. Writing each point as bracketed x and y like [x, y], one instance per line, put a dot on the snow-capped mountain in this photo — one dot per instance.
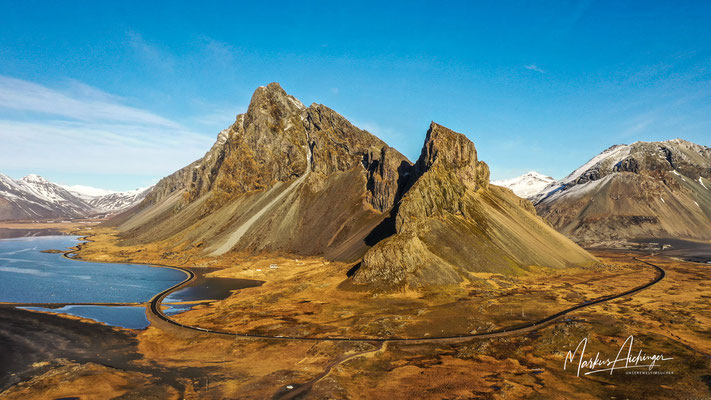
[659, 189]
[526, 185]
[117, 201]
[87, 192]
[34, 197]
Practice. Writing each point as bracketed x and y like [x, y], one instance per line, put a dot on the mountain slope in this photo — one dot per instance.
[118, 201]
[451, 223]
[646, 189]
[526, 185]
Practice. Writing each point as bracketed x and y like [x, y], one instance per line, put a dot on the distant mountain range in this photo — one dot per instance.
[35, 198]
[526, 185]
[304, 180]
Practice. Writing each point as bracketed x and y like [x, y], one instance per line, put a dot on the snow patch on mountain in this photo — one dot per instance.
[526, 185]
[612, 155]
[87, 192]
[118, 201]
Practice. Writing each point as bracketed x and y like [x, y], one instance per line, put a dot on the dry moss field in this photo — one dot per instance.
[312, 298]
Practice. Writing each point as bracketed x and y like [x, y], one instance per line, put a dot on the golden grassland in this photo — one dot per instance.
[311, 297]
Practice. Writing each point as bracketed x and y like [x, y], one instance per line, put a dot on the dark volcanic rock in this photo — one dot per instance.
[304, 180]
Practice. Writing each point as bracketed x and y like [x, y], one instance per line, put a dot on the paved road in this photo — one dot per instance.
[285, 393]
[513, 330]
[155, 307]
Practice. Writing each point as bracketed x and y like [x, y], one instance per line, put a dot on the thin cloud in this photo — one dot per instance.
[91, 105]
[108, 149]
[81, 128]
[151, 53]
[217, 51]
[636, 128]
[534, 67]
[219, 118]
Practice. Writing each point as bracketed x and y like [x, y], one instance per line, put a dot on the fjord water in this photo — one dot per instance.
[29, 276]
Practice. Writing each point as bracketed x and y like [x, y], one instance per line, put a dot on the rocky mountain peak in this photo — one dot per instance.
[452, 151]
[450, 147]
[272, 98]
[526, 185]
[637, 190]
[450, 222]
[34, 197]
[278, 139]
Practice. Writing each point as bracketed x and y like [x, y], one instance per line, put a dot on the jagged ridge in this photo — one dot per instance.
[261, 155]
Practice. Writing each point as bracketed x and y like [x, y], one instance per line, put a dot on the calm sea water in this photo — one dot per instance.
[29, 276]
[124, 316]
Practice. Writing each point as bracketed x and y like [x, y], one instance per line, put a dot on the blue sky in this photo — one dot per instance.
[118, 94]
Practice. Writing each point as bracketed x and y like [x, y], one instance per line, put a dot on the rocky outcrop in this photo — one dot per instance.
[271, 143]
[446, 169]
[646, 189]
[450, 224]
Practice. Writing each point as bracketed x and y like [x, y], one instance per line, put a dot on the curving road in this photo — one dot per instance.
[517, 329]
[296, 390]
[155, 308]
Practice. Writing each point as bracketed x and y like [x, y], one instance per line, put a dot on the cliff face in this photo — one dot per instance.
[646, 189]
[447, 168]
[450, 223]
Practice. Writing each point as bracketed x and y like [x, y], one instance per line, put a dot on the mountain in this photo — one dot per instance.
[645, 189]
[526, 185]
[34, 197]
[451, 223]
[87, 192]
[115, 202]
[303, 180]
[284, 177]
